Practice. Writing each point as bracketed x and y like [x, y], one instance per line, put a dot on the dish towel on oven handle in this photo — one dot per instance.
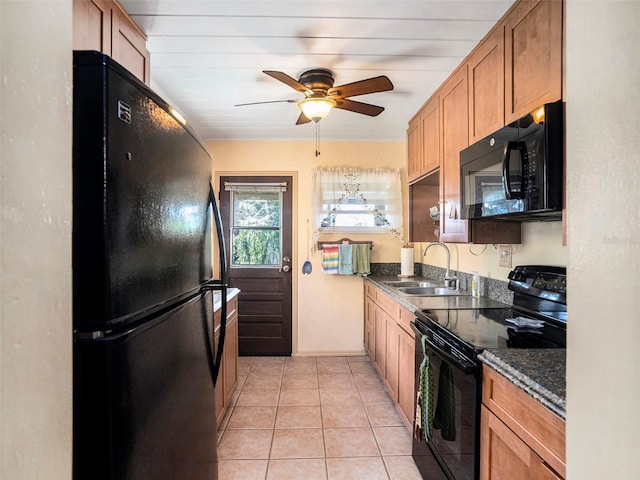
[445, 414]
[423, 425]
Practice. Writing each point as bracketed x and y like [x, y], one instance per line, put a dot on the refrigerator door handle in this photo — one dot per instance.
[217, 285]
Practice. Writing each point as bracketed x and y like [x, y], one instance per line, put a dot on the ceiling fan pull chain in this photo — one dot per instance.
[317, 141]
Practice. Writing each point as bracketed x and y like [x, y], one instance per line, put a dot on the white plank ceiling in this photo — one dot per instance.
[207, 56]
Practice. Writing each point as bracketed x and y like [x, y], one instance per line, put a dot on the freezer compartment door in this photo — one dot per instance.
[144, 402]
[141, 211]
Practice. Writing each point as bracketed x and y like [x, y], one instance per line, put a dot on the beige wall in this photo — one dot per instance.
[541, 245]
[35, 240]
[328, 309]
[603, 145]
[329, 312]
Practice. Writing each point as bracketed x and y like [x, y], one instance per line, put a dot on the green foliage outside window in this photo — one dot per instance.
[256, 231]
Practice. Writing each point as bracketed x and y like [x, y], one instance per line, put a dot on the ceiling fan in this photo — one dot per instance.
[321, 96]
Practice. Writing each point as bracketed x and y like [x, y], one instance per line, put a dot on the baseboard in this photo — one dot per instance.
[330, 354]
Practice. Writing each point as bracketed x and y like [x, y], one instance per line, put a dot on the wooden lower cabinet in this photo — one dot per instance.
[504, 455]
[369, 328]
[391, 360]
[390, 344]
[406, 375]
[228, 375]
[519, 437]
[381, 340]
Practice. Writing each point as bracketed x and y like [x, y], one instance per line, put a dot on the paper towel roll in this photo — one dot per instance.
[406, 261]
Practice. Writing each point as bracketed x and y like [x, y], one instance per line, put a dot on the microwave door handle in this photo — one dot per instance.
[506, 180]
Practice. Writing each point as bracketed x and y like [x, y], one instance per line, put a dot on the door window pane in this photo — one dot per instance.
[256, 233]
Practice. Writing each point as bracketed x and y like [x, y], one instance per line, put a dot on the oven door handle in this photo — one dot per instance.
[466, 365]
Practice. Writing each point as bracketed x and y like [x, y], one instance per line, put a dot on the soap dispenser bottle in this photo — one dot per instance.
[475, 285]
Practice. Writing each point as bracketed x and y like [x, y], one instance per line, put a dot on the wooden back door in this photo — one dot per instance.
[256, 214]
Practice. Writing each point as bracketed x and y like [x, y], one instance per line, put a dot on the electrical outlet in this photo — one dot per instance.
[505, 255]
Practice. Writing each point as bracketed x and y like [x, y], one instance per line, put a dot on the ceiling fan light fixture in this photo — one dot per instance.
[316, 108]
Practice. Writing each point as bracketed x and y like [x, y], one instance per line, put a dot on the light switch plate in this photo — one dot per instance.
[505, 255]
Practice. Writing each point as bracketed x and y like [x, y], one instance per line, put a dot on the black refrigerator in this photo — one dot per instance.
[145, 225]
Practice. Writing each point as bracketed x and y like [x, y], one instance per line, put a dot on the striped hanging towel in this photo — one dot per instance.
[330, 259]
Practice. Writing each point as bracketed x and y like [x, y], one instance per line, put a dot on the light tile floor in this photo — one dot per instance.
[307, 418]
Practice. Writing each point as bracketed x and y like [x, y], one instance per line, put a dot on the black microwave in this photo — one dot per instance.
[517, 172]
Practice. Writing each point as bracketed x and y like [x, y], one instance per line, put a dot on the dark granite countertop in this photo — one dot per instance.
[539, 372]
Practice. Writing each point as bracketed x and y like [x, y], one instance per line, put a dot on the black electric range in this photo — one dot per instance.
[452, 340]
[539, 296]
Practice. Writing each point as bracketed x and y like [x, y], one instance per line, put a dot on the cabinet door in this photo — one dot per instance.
[414, 149]
[391, 357]
[406, 375]
[503, 455]
[454, 109]
[381, 339]
[129, 45]
[230, 361]
[430, 126]
[219, 390]
[486, 86]
[92, 25]
[369, 328]
[533, 55]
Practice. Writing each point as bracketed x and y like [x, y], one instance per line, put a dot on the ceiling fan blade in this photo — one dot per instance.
[269, 101]
[370, 85]
[359, 107]
[292, 82]
[302, 119]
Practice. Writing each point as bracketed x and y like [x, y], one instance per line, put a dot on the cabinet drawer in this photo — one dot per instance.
[406, 317]
[537, 426]
[370, 290]
[387, 303]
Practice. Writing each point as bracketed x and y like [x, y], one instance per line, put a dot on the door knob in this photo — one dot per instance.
[285, 268]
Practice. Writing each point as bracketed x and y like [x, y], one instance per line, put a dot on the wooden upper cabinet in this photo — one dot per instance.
[104, 26]
[423, 141]
[414, 149]
[92, 25]
[533, 55]
[430, 127]
[129, 45]
[454, 120]
[486, 86]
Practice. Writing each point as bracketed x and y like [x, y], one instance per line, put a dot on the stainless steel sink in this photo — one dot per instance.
[412, 284]
[431, 291]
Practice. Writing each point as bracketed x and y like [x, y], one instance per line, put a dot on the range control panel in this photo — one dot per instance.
[529, 278]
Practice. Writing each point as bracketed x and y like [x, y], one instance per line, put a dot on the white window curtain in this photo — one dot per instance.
[376, 192]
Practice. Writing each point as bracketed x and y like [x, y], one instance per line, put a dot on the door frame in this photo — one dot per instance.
[295, 259]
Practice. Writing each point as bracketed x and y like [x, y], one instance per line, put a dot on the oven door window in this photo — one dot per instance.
[455, 397]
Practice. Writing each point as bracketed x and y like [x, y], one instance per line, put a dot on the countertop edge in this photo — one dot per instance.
[549, 399]
[231, 293]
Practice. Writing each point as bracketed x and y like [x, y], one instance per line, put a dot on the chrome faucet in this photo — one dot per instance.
[448, 281]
